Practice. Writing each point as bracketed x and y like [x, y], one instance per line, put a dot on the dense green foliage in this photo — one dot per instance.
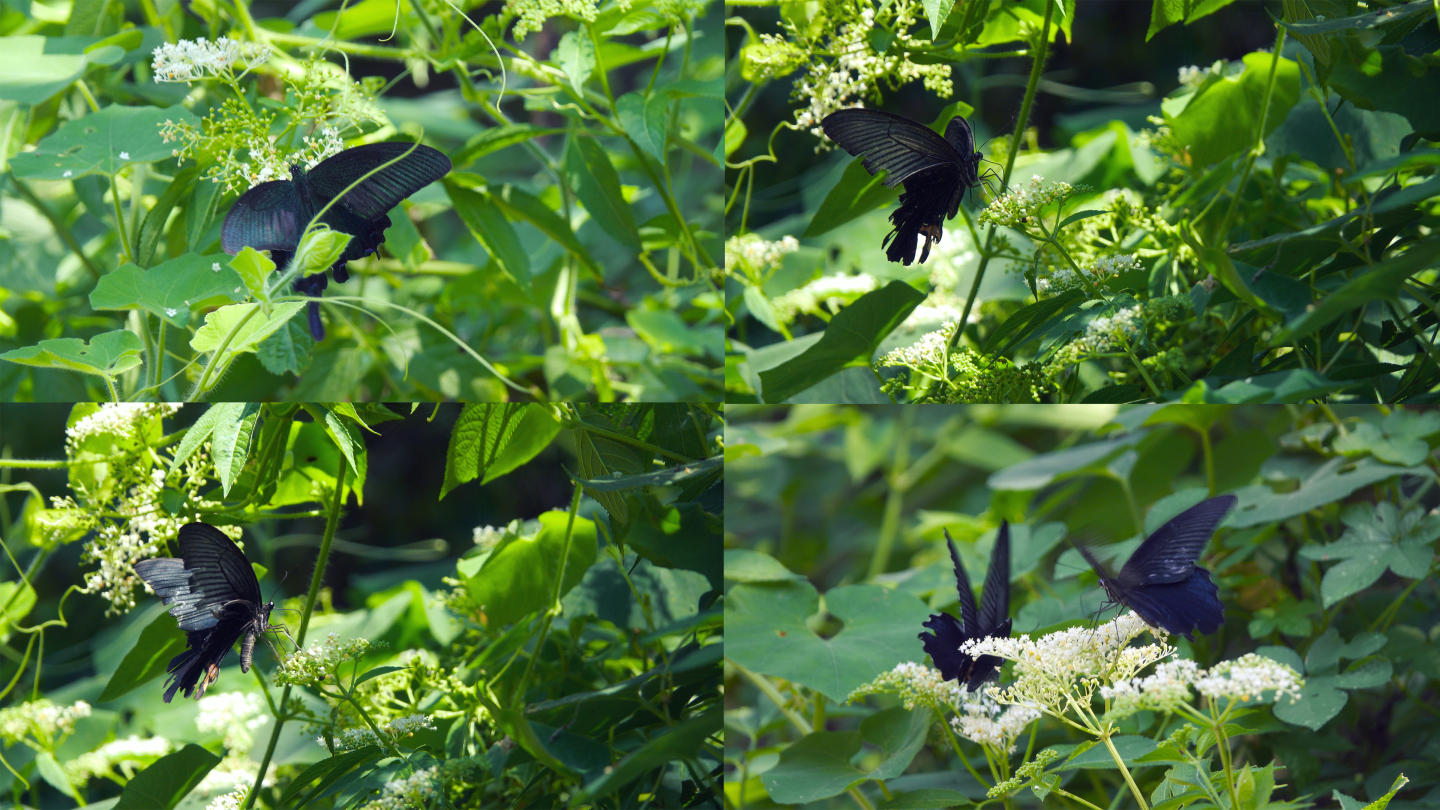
[1263, 233]
[1327, 567]
[566, 256]
[569, 656]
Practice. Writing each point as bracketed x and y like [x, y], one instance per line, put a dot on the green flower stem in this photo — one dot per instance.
[1209, 460]
[159, 359]
[517, 697]
[1036, 67]
[1222, 742]
[110, 384]
[200, 385]
[955, 745]
[895, 500]
[1070, 795]
[1259, 147]
[331, 522]
[1124, 771]
[61, 230]
[128, 254]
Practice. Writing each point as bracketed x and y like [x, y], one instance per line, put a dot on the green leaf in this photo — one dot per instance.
[248, 323]
[518, 576]
[1294, 385]
[1334, 481]
[480, 435]
[106, 354]
[1380, 282]
[488, 223]
[600, 456]
[170, 779]
[679, 535]
[333, 374]
[51, 772]
[287, 349]
[1319, 702]
[745, 565]
[666, 477]
[34, 68]
[326, 771]
[668, 334]
[576, 56]
[154, 222]
[230, 444]
[254, 268]
[1041, 470]
[1223, 115]
[17, 605]
[1116, 394]
[644, 121]
[924, 799]
[377, 672]
[1391, 80]
[493, 139]
[347, 437]
[363, 19]
[161, 640]
[1031, 317]
[682, 742]
[171, 289]
[1399, 438]
[200, 212]
[590, 173]
[1377, 537]
[519, 204]
[1130, 747]
[817, 766]
[1079, 215]
[858, 193]
[766, 631]
[100, 143]
[850, 339]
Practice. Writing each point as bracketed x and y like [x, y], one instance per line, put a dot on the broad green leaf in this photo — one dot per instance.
[817, 766]
[668, 334]
[18, 599]
[51, 772]
[1098, 756]
[1332, 482]
[1377, 537]
[254, 269]
[105, 355]
[160, 641]
[850, 339]
[857, 194]
[1222, 117]
[679, 535]
[480, 435]
[589, 172]
[519, 204]
[681, 742]
[644, 121]
[34, 68]
[1029, 318]
[363, 19]
[287, 349]
[1379, 282]
[666, 477]
[493, 139]
[170, 290]
[319, 249]
[936, 11]
[599, 456]
[377, 672]
[351, 441]
[1319, 702]
[1085, 459]
[488, 223]
[766, 632]
[1294, 385]
[576, 56]
[168, 780]
[923, 799]
[333, 373]
[198, 433]
[746, 565]
[230, 443]
[1399, 438]
[326, 771]
[102, 142]
[1386, 80]
[518, 576]
[244, 324]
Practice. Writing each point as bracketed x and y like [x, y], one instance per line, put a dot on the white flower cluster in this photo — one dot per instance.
[1104, 268]
[1108, 331]
[924, 355]
[130, 754]
[750, 256]
[927, 313]
[121, 420]
[1161, 692]
[409, 724]
[351, 738]
[327, 144]
[1193, 76]
[830, 292]
[228, 801]
[317, 663]
[1023, 202]
[235, 714]
[416, 790]
[1248, 677]
[829, 86]
[235, 772]
[188, 60]
[487, 537]
[985, 722]
[917, 685]
[40, 719]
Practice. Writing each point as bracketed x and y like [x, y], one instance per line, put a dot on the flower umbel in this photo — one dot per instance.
[188, 60]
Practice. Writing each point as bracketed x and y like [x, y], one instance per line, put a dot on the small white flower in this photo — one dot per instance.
[171, 311]
[124, 155]
[215, 267]
[67, 173]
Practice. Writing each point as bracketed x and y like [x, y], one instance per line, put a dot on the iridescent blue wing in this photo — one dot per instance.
[267, 217]
[1190, 604]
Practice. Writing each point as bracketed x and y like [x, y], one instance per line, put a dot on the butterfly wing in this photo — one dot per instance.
[1192, 603]
[995, 603]
[215, 574]
[889, 142]
[1170, 553]
[267, 217]
[959, 136]
[377, 194]
[962, 584]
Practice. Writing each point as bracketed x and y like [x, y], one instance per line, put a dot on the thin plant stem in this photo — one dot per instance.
[518, 696]
[1124, 771]
[895, 500]
[331, 522]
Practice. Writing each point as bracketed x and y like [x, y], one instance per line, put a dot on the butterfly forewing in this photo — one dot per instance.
[378, 193]
[995, 603]
[1180, 607]
[1170, 553]
[889, 143]
[962, 584]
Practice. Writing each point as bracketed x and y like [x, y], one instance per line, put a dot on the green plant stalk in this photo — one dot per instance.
[1036, 67]
[517, 697]
[1124, 771]
[1209, 460]
[895, 499]
[1259, 147]
[129, 255]
[331, 522]
[1222, 742]
[55, 222]
[200, 385]
[159, 359]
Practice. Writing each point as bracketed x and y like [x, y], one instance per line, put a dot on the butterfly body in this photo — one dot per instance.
[1162, 582]
[992, 620]
[272, 215]
[935, 171]
[215, 599]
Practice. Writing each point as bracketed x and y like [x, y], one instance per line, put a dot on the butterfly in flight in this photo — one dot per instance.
[935, 171]
[993, 620]
[272, 215]
[215, 598]
[1161, 581]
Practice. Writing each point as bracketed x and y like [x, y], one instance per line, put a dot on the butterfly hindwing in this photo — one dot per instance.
[267, 217]
[890, 143]
[1180, 607]
[962, 585]
[948, 633]
[382, 191]
[995, 603]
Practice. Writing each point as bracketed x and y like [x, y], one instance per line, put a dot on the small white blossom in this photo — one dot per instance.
[318, 662]
[486, 537]
[752, 257]
[67, 173]
[409, 724]
[827, 294]
[40, 720]
[351, 738]
[418, 789]
[130, 754]
[188, 60]
[1247, 677]
[1023, 202]
[124, 155]
[215, 267]
[171, 311]
[234, 714]
[229, 801]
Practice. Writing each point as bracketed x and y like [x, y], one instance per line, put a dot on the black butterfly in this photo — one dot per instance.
[272, 215]
[216, 601]
[993, 620]
[936, 171]
[1161, 581]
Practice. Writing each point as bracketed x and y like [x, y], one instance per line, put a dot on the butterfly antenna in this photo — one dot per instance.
[277, 587]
